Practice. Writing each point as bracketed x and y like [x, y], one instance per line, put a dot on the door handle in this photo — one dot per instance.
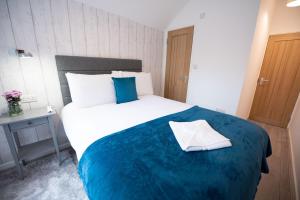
[185, 79]
[262, 81]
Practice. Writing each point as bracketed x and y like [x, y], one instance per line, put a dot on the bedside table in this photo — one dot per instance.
[30, 118]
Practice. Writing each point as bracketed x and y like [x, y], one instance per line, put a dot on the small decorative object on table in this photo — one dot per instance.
[13, 99]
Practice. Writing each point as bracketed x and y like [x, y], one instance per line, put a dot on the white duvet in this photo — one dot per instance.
[83, 126]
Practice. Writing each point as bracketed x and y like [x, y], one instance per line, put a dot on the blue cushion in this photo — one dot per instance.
[125, 89]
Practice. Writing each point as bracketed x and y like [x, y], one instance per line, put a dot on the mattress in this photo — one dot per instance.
[84, 126]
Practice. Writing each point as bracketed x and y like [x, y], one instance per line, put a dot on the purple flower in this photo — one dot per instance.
[12, 95]
[16, 94]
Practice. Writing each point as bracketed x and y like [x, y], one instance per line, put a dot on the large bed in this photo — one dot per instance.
[128, 151]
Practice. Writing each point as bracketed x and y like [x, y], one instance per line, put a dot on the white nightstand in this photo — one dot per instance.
[31, 118]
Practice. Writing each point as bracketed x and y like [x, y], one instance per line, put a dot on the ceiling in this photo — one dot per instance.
[153, 13]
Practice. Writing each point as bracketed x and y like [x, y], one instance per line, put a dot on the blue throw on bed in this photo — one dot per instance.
[146, 162]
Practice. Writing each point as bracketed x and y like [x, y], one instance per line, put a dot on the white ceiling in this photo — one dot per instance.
[153, 13]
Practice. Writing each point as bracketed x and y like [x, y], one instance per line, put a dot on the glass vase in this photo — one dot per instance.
[14, 108]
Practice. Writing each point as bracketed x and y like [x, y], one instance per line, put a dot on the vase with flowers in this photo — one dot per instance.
[13, 99]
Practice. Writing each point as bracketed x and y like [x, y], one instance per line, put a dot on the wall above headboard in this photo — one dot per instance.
[50, 27]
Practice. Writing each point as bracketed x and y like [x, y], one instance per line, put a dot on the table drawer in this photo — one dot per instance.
[28, 123]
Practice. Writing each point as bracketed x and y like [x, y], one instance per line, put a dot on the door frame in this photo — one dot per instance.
[286, 119]
[189, 29]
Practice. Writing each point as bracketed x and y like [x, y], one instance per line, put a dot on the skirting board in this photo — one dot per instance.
[293, 165]
[11, 164]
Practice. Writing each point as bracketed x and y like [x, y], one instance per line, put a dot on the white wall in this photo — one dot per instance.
[285, 19]
[259, 45]
[221, 48]
[153, 13]
[294, 131]
[50, 27]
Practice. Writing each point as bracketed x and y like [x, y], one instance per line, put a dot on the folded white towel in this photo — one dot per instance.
[198, 136]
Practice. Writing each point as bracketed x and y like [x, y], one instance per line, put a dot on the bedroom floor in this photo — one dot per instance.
[278, 184]
[45, 180]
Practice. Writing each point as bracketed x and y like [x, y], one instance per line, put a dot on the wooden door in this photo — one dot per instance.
[178, 63]
[278, 85]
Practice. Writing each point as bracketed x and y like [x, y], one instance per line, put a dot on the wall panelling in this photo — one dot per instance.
[50, 27]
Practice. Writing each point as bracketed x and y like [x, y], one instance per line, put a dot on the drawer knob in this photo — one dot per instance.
[29, 123]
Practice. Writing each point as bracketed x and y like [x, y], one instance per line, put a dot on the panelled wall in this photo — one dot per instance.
[49, 27]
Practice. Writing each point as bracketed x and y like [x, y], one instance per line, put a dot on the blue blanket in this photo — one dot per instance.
[146, 162]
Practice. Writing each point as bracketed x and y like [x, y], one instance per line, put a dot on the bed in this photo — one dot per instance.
[128, 151]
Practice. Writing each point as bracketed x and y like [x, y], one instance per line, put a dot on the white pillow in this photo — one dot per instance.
[116, 74]
[90, 90]
[143, 81]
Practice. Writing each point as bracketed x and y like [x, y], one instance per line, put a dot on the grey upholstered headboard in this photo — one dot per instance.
[90, 65]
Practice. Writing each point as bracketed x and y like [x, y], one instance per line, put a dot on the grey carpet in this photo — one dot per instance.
[44, 180]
